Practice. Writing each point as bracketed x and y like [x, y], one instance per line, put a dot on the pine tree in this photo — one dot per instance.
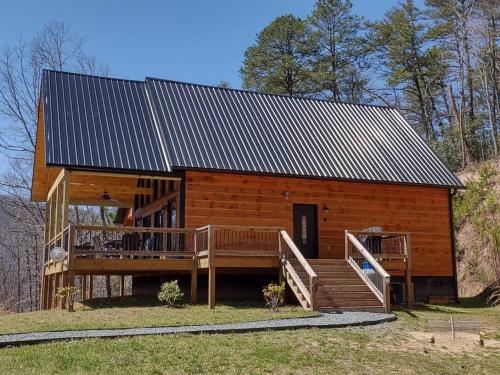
[411, 64]
[338, 50]
[278, 63]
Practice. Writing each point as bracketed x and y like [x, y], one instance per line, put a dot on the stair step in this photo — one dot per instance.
[327, 261]
[341, 281]
[343, 288]
[323, 269]
[379, 309]
[337, 275]
[346, 295]
[348, 302]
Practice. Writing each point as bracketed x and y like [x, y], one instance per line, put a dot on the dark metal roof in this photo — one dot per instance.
[97, 122]
[226, 129]
[159, 125]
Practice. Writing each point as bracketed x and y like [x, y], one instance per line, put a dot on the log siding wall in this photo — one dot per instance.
[240, 199]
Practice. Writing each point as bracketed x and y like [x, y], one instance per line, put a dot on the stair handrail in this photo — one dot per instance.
[382, 291]
[308, 291]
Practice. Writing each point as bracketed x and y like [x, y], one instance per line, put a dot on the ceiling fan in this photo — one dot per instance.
[107, 198]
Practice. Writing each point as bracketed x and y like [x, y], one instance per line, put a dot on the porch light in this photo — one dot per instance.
[325, 210]
[286, 194]
[57, 254]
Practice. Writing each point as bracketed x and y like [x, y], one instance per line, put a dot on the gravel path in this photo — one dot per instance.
[323, 321]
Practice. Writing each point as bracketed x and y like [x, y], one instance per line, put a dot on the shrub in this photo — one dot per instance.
[170, 293]
[274, 294]
[68, 293]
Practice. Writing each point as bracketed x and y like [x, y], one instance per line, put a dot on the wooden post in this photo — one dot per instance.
[83, 282]
[91, 286]
[409, 283]
[65, 184]
[194, 285]
[387, 295]
[122, 285]
[346, 240]
[211, 269]
[194, 271]
[312, 291]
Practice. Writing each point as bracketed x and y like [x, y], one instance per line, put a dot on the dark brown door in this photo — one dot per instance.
[305, 229]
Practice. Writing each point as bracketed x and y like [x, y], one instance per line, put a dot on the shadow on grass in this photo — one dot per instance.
[152, 301]
[460, 307]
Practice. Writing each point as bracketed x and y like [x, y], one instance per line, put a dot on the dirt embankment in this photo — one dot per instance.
[474, 242]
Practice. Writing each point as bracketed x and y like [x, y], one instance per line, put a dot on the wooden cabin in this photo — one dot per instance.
[344, 202]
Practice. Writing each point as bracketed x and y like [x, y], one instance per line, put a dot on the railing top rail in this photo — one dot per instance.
[376, 266]
[297, 253]
[58, 236]
[247, 228]
[132, 229]
[377, 234]
[203, 229]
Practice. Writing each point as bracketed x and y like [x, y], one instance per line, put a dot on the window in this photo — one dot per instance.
[303, 224]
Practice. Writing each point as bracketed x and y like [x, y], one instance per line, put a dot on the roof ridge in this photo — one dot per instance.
[92, 75]
[266, 93]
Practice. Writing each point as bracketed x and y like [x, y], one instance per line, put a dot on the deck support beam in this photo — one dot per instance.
[91, 287]
[194, 286]
[211, 268]
[83, 279]
[211, 287]
[122, 285]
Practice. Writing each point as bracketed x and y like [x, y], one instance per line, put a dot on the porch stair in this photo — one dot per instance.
[333, 284]
[340, 288]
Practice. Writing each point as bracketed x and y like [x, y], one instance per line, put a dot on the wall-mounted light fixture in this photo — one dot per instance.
[286, 194]
[325, 210]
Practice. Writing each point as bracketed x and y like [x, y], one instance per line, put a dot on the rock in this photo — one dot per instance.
[432, 340]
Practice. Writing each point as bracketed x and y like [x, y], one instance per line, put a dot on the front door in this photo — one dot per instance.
[305, 229]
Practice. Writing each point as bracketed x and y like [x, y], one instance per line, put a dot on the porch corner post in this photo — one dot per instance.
[211, 269]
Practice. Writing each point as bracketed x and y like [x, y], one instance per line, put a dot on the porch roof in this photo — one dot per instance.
[159, 126]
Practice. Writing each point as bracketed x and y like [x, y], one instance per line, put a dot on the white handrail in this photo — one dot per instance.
[376, 266]
[297, 253]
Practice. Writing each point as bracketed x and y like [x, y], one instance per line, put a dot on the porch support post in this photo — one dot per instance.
[83, 279]
[211, 269]
[91, 286]
[194, 285]
[409, 283]
[122, 285]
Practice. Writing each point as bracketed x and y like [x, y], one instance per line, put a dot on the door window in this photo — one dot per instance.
[304, 229]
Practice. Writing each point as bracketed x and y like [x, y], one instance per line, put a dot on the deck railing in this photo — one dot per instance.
[298, 268]
[101, 242]
[367, 267]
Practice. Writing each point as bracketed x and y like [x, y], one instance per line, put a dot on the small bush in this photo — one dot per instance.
[170, 293]
[69, 293]
[274, 294]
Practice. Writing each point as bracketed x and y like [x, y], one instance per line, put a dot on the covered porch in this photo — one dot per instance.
[150, 239]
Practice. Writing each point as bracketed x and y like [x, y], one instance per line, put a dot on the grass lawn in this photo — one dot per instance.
[382, 349]
[132, 312]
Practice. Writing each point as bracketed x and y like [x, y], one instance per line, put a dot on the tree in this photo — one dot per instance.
[411, 64]
[223, 84]
[278, 63]
[451, 29]
[54, 47]
[337, 57]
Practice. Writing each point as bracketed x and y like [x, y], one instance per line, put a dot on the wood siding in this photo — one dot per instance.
[237, 199]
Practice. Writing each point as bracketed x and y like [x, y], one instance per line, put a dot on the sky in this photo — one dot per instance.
[200, 41]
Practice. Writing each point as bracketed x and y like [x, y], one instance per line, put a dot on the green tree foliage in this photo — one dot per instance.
[278, 63]
[438, 64]
[412, 65]
[337, 56]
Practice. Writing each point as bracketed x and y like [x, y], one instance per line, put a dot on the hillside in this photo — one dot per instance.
[477, 220]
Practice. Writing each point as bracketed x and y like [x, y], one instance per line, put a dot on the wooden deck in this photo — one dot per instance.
[97, 250]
